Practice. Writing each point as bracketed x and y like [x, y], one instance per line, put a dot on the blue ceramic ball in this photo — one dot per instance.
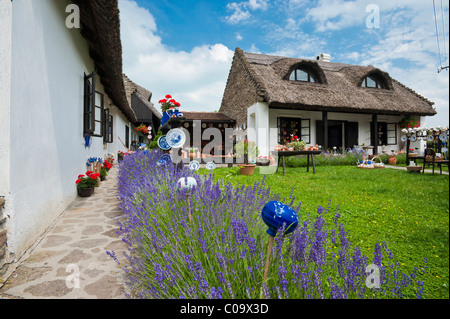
[275, 214]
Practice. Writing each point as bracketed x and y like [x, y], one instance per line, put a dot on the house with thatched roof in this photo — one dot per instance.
[140, 100]
[63, 101]
[322, 102]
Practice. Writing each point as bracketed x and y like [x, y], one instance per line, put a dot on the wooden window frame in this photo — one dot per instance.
[300, 128]
[378, 83]
[89, 104]
[310, 74]
[107, 127]
[90, 107]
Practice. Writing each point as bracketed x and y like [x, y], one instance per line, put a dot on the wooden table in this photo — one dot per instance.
[282, 154]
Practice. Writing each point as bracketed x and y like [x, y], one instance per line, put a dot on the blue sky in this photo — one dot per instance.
[185, 48]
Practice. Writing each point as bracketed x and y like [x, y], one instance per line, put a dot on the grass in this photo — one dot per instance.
[409, 211]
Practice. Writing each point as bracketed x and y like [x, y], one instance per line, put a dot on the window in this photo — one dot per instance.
[372, 82]
[387, 133]
[107, 127]
[127, 136]
[302, 75]
[93, 108]
[293, 126]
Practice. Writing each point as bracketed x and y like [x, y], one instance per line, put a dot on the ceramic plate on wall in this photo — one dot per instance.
[176, 138]
[430, 138]
[413, 138]
[162, 143]
[443, 137]
[404, 138]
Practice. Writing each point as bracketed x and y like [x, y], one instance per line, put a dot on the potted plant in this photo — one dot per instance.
[86, 184]
[263, 161]
[392, 158]
[296, 144]
[247, 151]
[193, 152]
[142, 129]
[168, 103]
[409, 122]
[103, 173]
[120, 156]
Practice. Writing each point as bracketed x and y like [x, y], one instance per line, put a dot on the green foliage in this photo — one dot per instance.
[154, 143]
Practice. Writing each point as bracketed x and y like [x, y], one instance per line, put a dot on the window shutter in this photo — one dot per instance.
[89, 104]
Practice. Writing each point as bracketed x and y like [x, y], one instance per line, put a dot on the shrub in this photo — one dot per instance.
[221, 253]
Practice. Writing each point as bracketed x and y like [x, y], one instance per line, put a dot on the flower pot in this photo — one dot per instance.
[392, 160]
[85, 192]
[247, 169]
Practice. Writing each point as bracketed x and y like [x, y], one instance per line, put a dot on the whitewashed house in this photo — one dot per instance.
[322, 102]
[62, 100]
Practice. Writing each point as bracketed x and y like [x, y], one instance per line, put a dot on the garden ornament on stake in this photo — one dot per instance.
[276, 215]
[187, 183]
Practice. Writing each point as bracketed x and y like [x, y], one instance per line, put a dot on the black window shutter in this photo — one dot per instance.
[319, 132]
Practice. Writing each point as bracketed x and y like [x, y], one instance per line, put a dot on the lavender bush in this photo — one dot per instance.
[221, 252]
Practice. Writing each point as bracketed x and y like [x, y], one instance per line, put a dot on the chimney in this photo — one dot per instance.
[324, 57]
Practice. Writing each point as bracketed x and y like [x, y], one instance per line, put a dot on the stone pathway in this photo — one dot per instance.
[69, 261]
[436, 170]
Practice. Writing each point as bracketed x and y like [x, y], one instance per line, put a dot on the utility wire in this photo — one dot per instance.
[443, 28]
[437, 33]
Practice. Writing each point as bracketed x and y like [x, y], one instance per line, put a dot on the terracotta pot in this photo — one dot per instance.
[392, 160]
[247, 169]
[85, 192]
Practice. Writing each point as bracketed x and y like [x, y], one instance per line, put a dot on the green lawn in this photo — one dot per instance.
[409, 211]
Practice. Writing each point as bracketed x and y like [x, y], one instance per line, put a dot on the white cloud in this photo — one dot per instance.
[196, 79]
[241, 10]
[239, 37]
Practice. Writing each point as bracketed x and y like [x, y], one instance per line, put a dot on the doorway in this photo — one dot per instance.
[340, 134]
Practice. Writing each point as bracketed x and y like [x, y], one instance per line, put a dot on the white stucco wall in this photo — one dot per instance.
[5, 93]
[46, 123]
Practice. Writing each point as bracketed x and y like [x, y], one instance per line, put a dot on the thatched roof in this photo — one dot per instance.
[140, 100]
[207, 117]
[100, 26]
[338, 88]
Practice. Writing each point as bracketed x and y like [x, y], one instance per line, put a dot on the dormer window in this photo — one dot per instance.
[303, 76]
[372, 82]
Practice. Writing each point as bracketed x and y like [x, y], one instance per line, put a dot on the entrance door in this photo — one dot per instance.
[335, 133]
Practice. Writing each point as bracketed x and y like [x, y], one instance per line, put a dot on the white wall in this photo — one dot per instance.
[47, 145]
[258, 122]
[5, 93]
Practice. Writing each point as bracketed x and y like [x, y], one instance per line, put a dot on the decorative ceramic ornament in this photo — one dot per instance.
[275, 214]
[404, 138]
[187, 183]
[210, 166]
[166, 159]
[176, 138]
[194, 166]
[162, 143]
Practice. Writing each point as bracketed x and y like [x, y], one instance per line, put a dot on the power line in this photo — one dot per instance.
[437, 37]
[443, 30]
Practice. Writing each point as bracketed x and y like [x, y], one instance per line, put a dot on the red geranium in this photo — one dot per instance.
[168, 103]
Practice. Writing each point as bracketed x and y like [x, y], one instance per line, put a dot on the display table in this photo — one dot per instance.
[282, 154]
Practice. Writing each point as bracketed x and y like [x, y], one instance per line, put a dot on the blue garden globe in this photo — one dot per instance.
[275, 214]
